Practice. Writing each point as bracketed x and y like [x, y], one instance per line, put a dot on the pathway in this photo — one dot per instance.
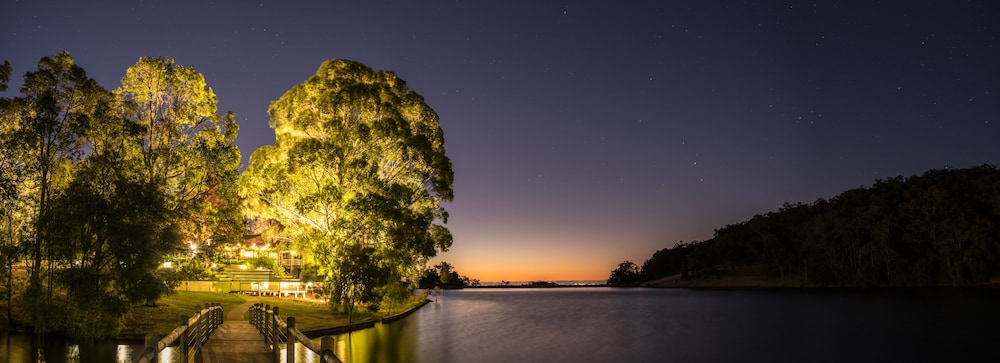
[236, 341]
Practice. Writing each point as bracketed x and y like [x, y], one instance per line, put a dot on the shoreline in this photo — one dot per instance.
[334, 330]
[311, 333]
[531, 287]
[754, 278]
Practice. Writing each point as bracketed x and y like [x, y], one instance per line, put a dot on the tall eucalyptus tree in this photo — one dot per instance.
[358, 167]
[44, 138]
[187, 145]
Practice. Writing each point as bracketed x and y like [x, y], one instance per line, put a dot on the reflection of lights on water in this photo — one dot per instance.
[310, 357]
[302, 354]
[73, 351]
[166, 355]
[124, 354]
[341, 349]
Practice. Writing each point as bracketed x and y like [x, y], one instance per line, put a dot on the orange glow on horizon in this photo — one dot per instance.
[550, 251]
[522, 266]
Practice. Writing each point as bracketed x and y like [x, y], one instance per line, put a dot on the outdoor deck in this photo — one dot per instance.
[236, 341]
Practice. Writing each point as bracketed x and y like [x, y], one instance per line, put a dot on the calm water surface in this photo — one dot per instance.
[654, 325]
[678, 325]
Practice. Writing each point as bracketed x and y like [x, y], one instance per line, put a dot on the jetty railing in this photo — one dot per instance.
[191, 334]
[268, 322]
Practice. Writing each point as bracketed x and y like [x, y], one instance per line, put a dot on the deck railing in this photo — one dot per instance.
[192, 333]
[268, 322]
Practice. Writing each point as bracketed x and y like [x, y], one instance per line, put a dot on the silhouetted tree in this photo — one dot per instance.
[626, 273]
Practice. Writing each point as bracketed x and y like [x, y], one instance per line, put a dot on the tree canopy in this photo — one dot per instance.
[186, 144]
[935, 229]
[97, 186]
[356, 177]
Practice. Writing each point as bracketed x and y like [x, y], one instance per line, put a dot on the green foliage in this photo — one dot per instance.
[936, 229]
[186, 145]
[394, 295]
[356, 176]
[114, 230]
[266, 263]
[191, 269]
[445, 273]
[14, 207]
[45, 137]
[358, 280]
[161, 317]
[100, 185]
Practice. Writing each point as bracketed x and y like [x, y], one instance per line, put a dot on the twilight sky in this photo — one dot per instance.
[585, 133]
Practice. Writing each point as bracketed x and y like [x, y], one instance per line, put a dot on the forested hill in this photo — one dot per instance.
[941, 228]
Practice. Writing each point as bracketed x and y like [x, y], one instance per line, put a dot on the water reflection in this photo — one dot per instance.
[393, 342]
[642, 325]
[17, 347]
[639, 325]
[302, 354]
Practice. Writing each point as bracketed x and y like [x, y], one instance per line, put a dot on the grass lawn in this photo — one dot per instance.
[312, 314]
[309, 314]
[165, 316]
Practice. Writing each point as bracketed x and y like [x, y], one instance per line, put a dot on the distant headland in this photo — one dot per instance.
[938, 229]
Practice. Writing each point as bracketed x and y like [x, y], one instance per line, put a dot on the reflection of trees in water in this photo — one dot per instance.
[392, 342]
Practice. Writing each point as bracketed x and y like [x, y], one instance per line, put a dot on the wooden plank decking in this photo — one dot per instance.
[236, 341]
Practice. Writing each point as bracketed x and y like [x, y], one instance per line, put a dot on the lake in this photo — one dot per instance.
[680, 325]
[662, 325]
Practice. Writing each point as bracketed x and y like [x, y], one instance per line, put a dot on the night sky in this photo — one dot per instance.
[585, 133]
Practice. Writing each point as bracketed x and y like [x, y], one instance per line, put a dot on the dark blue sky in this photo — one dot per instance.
[584, 133]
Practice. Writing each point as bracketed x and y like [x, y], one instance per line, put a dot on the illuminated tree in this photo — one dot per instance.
[45, 133]
[358, 166]
[12, 166]
[445, 273]
[76, 189]
[113, 229]
[185, 143]
[12, 171]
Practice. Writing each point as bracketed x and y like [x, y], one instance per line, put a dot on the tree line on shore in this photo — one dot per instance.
[936, 229]
[444, 275]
